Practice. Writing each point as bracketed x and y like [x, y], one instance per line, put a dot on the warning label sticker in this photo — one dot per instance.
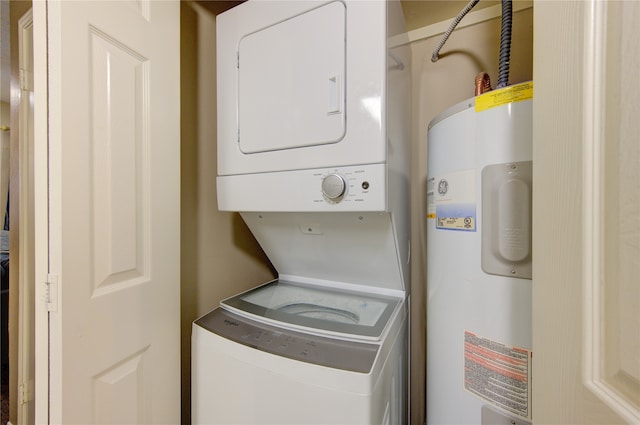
[451, 200]
[515, 93]
[498, 373]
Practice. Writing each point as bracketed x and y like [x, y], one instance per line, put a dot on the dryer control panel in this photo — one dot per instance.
[335, 353]
[355, 188]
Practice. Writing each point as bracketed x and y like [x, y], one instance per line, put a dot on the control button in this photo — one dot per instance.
[334, 187]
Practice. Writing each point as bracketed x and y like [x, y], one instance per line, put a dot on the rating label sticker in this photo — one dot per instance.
[457, 223]
[452, 200]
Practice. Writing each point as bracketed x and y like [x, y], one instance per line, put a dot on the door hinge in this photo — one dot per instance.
[25, 395]
[51, 292]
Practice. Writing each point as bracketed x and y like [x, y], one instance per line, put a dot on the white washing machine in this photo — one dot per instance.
[313, 151]
[287, 353]
[309, 348]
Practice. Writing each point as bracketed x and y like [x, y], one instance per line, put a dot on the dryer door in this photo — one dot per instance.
[291, 82]
[301, 85]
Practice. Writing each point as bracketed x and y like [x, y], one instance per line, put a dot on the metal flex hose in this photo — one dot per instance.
[505, 44]
[456, 21]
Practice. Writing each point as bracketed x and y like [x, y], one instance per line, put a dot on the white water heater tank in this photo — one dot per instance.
[479, 260]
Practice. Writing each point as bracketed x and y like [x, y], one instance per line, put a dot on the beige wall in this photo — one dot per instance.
[219, 256]
[420, 13]
[437, 86]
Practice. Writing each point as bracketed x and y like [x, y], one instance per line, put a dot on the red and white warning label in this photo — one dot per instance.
[498, 373]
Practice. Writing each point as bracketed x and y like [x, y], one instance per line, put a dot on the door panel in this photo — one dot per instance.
[120, 386]
[113, 86]
[586, 214]
[616, 362]
[120, 163]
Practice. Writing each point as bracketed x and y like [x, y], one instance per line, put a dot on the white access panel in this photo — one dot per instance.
[291, 88]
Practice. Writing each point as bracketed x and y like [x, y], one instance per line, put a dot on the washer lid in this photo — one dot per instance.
[363, 249]
[320, 309]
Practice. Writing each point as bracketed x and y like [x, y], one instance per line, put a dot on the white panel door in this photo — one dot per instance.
[586, 214]
[113, 202]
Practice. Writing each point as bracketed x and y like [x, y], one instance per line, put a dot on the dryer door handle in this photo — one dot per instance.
[334, 98]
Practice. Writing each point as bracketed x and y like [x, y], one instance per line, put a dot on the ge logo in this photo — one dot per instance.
[443, 186]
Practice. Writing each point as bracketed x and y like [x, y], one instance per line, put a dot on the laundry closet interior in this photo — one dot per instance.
[219, 255]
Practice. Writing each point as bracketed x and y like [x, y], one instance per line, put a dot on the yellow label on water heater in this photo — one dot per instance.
[515, 93]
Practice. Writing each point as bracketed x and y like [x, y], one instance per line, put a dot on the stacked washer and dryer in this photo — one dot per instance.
[313, 151]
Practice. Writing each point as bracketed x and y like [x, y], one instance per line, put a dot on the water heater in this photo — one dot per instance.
[479, 260]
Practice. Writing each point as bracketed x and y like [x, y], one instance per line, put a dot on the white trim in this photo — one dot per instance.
[353, 287]
[41, 226]
[594, 139]
[25, 225]
[592, 120]
[471, 18]
[53, 174]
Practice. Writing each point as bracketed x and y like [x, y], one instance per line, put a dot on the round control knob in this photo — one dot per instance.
[334, 187]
